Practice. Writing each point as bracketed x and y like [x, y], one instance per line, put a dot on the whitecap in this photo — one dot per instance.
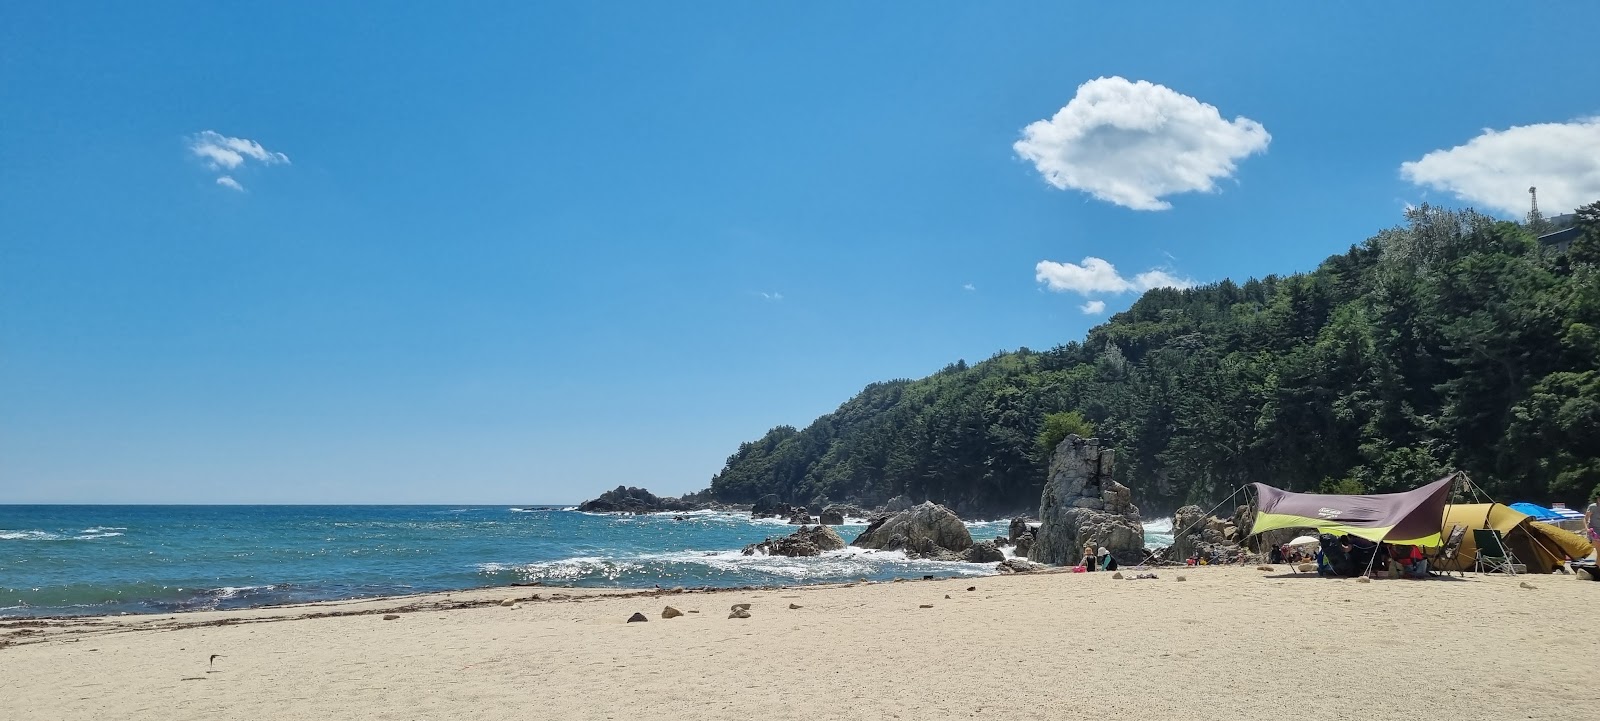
[31, 535]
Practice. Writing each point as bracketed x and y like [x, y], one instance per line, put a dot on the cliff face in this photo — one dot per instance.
[1082, 505]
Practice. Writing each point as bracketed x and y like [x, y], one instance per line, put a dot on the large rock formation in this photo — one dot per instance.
[807, 541]
[831, 516]
[770, 505]
[626, 499]
[925, 531]
[1082, 505]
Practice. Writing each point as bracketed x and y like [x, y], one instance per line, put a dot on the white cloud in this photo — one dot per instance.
[1095, 275]
[1496, 168]
[969, 286]
[771, 296]
[221, 153]
[1093, 307]
[1132, 143]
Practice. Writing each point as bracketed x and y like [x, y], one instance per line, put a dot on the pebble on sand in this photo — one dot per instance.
[637, 618]
[926, 605]
[794, 606]
[1182, 578]
[509, 602]
[741, 607]
[670, 612]
[391, 616]
[739, 613]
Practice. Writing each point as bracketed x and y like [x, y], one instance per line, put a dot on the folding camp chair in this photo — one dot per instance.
[1492, 552]
[1446, 554]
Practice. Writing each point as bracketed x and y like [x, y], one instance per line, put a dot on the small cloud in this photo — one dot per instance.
[771, 296]
[969, 286]
[1093, 307]
[1133, 143]
[1095, 275]
[221, 152]
[1496, 168]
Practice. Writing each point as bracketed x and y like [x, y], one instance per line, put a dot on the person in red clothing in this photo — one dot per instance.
[1407, 562]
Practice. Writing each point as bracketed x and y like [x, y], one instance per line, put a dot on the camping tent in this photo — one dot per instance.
[1411, 517]
[1540, 546]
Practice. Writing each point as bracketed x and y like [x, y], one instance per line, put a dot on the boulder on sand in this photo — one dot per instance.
[1081, 505]
[923, 531]
[808, 541]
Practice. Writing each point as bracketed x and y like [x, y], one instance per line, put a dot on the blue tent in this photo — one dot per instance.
[1539, 513]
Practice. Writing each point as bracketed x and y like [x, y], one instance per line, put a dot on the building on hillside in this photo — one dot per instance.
[1560, 240]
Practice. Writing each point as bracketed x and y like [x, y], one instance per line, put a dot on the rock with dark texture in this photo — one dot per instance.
[1017, 565]
[808, 541]
[739, 613]
[637, 618]
[670, 612]
[831, 516]
[1081, 505]
[923, 531]
[983, 552]
[627, 499]
[800, 518]
[770, 505]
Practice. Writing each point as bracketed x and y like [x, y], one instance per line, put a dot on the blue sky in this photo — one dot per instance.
[517, 254]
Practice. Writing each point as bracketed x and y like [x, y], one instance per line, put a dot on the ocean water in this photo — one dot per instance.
[89, 560]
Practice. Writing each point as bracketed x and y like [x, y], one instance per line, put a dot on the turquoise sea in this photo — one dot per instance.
[83, 560]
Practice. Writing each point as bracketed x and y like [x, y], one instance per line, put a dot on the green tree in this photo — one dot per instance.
[1057, 426]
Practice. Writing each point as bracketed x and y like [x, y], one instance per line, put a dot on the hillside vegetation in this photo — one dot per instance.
[1452, 342]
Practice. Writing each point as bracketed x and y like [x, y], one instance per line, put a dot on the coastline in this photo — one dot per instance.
[1227, 643]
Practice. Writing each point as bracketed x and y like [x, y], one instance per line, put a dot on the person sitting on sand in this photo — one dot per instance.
[1088, 557]
[1107, 561]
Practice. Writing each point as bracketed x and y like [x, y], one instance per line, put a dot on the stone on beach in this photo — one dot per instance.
[391, 616]
[739, 613]
[741, 606]
[670, 612]
[926, 605]
[794, 606]
[637, 618]
[509, 602]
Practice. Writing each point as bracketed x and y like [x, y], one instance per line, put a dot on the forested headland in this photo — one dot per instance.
[1453, 342]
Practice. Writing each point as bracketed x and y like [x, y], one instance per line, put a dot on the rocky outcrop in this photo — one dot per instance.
[770, 505]
[801, 518]
[896, 505]
[1081, 505]
[924, 531]
[627, 499]
[983, 552]
[831, 516]
[1017, 565]
[808, 541]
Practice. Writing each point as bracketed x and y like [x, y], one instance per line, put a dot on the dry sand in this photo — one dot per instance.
[1228, 643]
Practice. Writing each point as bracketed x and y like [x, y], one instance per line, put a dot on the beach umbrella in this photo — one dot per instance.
[1305, 541]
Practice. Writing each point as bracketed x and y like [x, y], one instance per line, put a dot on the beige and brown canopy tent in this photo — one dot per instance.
[1540, 546]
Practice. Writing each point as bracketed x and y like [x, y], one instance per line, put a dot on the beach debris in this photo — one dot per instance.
[677, 589]
[927, 578]
[1265, 568]
[739, 613]
[926, 605]
[391, 617]
[1117, 575]
[1527, 585]
[741, 606]
[670, 612]
[794, 607]
[1363, 579]
[637, 618]
[947, 597]
[1143, 576]
[972, 588]
[1307, 567]
[213, 660]
[1180, 578]
[509, 602]
[899, 580]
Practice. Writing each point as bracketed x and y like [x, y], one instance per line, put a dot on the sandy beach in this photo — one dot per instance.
[1227, 643]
